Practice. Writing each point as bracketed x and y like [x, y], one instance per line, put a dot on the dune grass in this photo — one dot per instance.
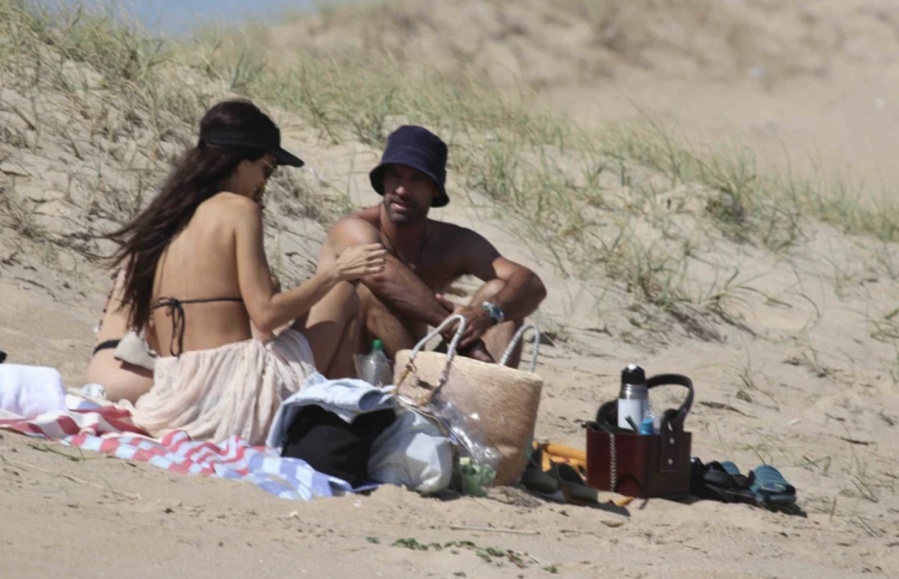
[602, 205]
[579, 195]
[42, 45]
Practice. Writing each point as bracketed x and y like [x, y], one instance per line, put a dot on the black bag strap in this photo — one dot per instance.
[673, 420]
[607, 417]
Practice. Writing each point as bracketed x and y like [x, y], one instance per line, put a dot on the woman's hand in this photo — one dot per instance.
[360, 260]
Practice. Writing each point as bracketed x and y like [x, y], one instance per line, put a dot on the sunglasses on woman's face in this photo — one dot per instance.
[269, 169]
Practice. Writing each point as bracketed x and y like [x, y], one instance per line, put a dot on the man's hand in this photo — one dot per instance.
[477, 318]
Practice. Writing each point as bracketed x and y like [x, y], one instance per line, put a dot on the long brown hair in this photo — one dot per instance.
[196, 176]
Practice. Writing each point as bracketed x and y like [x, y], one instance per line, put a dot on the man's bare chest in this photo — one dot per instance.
[437, 268]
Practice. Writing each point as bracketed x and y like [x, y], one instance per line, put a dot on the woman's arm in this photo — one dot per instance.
[269, 310]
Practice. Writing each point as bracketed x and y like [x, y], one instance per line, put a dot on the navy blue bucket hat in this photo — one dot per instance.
[420, 149]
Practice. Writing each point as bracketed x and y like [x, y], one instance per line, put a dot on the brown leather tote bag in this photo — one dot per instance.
[650, 465]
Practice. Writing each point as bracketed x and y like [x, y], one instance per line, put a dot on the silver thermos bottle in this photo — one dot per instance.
[633, 399]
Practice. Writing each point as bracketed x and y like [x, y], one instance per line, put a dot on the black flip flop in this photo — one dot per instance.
[720, 482]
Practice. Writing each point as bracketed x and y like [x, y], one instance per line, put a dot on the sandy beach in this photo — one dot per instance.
[784, 320]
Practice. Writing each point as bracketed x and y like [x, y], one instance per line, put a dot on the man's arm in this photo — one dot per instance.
[397, 286]
[522, 290]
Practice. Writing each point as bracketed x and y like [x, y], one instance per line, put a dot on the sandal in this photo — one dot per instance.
[771, 488]
[720, 481]
[557, 481]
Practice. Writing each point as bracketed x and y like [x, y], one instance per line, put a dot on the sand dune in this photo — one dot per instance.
[807, 85]
[792, 346]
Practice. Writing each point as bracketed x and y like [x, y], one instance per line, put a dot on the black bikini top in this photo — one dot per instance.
[178, 317]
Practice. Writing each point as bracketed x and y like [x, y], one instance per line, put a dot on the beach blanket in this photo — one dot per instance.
[110, 430]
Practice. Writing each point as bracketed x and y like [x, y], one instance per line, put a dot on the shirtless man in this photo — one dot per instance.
[426, 256]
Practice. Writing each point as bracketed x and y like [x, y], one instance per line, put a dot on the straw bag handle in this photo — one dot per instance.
[450, 351]
[535, 345]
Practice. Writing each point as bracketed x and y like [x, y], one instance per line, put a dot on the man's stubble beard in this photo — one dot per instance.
[403, 221]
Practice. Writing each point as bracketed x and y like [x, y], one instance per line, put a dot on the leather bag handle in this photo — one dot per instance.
[673, 419]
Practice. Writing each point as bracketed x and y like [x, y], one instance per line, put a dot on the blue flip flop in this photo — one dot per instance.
[771, 488]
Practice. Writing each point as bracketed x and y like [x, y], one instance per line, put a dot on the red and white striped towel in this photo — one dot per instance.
[110, 430]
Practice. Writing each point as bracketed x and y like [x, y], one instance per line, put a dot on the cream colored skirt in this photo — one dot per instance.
[234, 389]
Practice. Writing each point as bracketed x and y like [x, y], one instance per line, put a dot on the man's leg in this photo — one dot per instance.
[331, 328]
[498, 337]
[379, 321]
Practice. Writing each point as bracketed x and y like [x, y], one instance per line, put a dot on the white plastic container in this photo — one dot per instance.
[633, 399]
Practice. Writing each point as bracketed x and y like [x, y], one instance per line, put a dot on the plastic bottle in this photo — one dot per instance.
[374, 367]
[633, 399]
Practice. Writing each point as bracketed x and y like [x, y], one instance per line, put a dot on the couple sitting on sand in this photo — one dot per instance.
[231, 346]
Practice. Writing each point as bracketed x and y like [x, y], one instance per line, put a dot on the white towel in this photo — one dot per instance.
[29, 391]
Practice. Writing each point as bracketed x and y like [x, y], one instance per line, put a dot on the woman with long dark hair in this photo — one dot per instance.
[196, 278]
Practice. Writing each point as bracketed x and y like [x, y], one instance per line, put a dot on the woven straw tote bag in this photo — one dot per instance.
[500, 402]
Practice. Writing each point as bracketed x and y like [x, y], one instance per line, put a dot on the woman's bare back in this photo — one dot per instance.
[200, 264]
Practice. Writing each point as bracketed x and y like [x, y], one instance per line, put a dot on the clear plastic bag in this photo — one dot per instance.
[466, 434]
[374, 367]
